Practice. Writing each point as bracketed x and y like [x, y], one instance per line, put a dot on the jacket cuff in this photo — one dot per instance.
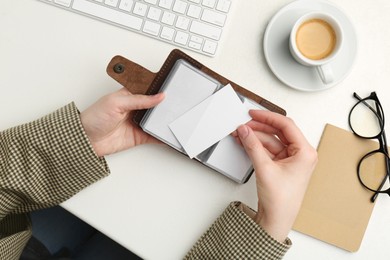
[251, 213]
[236, 235]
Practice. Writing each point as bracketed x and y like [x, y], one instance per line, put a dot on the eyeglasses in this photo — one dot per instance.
[367, 120]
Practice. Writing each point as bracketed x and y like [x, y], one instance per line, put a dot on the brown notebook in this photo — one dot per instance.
[337, 208]
[139, 80]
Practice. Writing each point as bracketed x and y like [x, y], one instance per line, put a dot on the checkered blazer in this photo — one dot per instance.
[47, 161]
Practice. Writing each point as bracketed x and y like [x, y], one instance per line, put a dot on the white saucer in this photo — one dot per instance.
[283, 65]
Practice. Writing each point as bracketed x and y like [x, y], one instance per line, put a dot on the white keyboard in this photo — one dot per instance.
[193, 24]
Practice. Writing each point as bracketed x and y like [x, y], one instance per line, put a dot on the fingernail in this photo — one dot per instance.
[159, 96]
[243, 131]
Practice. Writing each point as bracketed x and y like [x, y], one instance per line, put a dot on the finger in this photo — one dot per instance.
[238, 141]
[252, 146]
[124, 91]
[264, 128]
[270, 154]
[138, 102]
[285, 128]
[259, 126]
[270, 142]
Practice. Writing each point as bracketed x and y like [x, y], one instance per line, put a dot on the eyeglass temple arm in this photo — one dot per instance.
[387, 158]
[364, 102]
[357, 96]
[383, 144]
[387, 163]
[375, 195]
[373, 198]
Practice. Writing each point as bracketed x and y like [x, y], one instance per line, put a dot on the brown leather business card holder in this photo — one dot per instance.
[139, 80]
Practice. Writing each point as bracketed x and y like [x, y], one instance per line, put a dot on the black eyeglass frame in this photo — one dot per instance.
[381, 137]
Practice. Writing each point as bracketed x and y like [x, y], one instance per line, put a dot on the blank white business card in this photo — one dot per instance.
[210, 121]
[229, 157]
[184, 88]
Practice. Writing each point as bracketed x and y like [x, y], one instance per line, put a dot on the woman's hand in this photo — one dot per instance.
[108, 122]
[283, 161]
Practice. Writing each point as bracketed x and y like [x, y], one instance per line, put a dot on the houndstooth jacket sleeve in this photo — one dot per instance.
[47, 161]
[42, 164]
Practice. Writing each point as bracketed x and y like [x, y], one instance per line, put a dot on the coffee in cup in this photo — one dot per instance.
[315, 40]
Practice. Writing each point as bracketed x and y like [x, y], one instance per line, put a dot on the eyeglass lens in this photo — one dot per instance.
[365, 119]
[373, 172]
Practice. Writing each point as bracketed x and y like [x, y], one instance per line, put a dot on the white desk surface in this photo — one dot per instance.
[50, 57]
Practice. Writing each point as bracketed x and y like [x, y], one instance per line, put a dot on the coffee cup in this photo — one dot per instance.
[315, 40]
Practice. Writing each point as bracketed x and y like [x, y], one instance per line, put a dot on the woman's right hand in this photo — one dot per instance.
[283, 161]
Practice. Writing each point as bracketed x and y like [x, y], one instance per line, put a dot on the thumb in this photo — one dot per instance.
[138, 102]
[252, 145]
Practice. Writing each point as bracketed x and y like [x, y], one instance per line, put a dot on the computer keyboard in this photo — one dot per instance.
[193, 24]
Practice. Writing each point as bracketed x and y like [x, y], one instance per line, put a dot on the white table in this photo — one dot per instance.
[50, 57]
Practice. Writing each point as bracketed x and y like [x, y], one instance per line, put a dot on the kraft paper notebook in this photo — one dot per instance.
[336, 208]
[200, 110]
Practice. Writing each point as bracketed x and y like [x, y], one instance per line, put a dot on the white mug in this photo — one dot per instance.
[315, 21]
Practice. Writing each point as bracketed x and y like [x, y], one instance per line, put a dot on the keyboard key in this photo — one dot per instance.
[107, 14]
[181, 37]
[209, 3]
[194, 11]
[151, 28]
[126, 5]
[223, 5]
[113, 3]
[206, 30]
[182, 23]
[180, 7]
[63, 2]
[153, 2]
[165, 4]
[168, 18]
[195, 1]
[140, 9]
[194, 45]
[154, 13]
[210, 47]
[167, 33]
[213, 17]
[196, 39]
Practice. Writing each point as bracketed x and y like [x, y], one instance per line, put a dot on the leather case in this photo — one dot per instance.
[139, 80]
